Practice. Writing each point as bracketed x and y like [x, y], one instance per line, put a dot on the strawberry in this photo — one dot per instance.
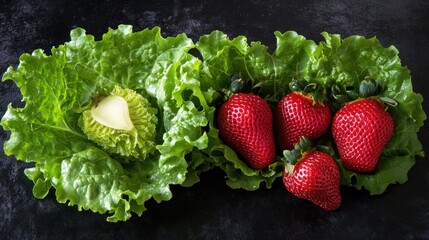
[245, 124]
[361, 129]
[298, 115]
[312, 175]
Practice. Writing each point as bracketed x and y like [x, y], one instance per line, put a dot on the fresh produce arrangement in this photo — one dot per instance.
[109, 124]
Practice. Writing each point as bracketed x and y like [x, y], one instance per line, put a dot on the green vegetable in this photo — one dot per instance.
[116, 168]
[335, 61]
[223, 58]
[346, 62]
[110, 124]
[122, 122]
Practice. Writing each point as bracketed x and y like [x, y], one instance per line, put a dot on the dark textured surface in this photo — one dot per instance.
[210, 210]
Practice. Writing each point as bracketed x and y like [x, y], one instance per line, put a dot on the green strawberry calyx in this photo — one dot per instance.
[309, 89]
[300, 151]
[292, 157]
[368, 88]
[237, 84]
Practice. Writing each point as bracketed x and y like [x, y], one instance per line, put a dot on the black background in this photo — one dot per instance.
[209, 209]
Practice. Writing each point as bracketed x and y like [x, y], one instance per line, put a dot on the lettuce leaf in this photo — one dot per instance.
[223, 58]
[346, 62]
[56, 87]
[186, 92]
[334, 61]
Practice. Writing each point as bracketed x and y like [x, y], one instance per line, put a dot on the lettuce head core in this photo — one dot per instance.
[122, 122]
[112, 111]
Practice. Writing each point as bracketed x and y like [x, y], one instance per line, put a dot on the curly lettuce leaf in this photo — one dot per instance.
[57, 87]
[346, 62]
[334, 61]
[223, 58]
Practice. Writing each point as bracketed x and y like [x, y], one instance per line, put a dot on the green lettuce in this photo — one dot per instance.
[224, 58]
[136, 134]
[57, 87]
[344, 62]
[347, 62]
[183, 93]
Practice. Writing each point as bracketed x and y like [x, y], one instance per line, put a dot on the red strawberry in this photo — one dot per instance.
[361, 129]
[298, 115]
[245, 124]
[314, 177]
